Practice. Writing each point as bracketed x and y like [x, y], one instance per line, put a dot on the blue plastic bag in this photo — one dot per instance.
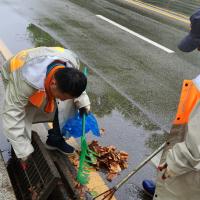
[73, 126]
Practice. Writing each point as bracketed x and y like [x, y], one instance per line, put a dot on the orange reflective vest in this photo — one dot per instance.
[188, 99]
[38, 97]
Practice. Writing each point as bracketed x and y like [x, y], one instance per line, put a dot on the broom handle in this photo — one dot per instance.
[84, 116]
[142, 164]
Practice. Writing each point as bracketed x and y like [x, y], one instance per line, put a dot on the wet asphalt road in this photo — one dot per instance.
[134, 86]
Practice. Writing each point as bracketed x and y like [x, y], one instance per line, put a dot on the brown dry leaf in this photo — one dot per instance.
[110, 159]
[123, 165]
[75, 163]
[123, 155]
[114, 168]
[102, 131]
[78, 186]
[111, 148]
[111, 176]
[82, 189]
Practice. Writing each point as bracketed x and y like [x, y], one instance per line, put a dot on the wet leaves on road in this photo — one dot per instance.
[110, 159]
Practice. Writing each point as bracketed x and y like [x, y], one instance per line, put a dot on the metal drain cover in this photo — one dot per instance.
[41, 177]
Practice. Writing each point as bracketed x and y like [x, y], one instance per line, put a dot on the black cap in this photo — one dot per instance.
[192, 40]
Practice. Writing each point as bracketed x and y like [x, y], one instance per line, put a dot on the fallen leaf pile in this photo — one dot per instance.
[80, 189]
[109, 158]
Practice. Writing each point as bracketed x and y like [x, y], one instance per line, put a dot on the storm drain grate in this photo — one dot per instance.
[41, 177]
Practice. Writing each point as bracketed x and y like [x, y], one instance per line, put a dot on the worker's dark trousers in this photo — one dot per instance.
[56, 127]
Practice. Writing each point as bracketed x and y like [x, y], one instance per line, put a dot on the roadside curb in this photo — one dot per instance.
[6, 188]
[5, 51]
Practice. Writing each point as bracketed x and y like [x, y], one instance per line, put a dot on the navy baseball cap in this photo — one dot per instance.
[192, 40]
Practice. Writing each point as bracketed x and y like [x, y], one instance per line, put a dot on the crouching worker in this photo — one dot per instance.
[41, 85]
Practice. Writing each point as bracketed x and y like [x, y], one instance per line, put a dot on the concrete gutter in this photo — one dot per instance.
[6, 189]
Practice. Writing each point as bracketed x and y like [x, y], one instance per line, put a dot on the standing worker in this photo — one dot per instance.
[179, 175]
[41, 84]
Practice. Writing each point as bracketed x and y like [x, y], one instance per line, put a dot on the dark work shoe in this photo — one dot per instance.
[149, 187]
[55, 142]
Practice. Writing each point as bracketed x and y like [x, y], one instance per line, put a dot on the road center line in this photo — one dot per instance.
[135, 34]
[162, 11]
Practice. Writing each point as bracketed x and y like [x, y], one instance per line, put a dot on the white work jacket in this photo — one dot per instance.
[22, 76]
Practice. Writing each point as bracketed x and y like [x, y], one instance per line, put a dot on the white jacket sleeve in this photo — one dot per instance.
[185, 156]
[16, 99]
[82, 101]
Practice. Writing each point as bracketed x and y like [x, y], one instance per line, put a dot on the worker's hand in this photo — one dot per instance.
[24, 163]
[167, 173]
[84, 110]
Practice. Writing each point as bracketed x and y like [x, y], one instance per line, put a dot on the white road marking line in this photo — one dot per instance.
[135, 34]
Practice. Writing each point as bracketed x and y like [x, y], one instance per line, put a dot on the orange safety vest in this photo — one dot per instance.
[190, 95]
[38, 97]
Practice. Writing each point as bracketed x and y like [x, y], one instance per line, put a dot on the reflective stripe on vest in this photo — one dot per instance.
[60, 49]
[190, 95]
[38, 97]
[18, 61]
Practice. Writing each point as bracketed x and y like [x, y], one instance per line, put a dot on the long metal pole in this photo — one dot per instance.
[140, 166]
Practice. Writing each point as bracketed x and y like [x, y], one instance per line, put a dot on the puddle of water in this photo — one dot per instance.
[128, 129]
[127, 136]
[105, 99]
[14, 29]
